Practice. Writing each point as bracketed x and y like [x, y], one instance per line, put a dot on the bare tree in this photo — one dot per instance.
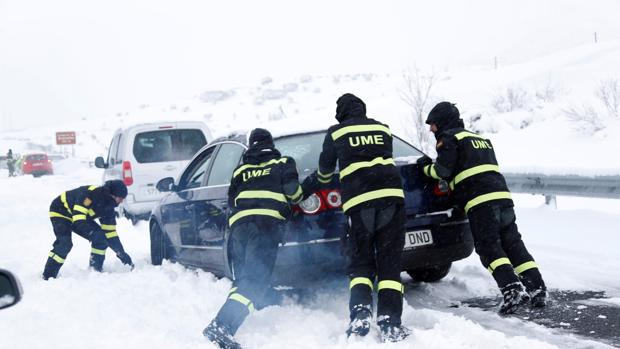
[417, 94]
[608, 92]
[586, 118]
[514, 98]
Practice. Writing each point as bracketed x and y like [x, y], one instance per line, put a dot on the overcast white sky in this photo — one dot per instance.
[68, 59]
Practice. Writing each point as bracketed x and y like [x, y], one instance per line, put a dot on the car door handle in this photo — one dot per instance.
[169, 168]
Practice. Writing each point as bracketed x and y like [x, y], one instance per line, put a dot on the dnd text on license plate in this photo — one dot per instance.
[418, 238]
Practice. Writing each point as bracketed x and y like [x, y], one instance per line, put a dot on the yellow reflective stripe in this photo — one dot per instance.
[270, 162]
[466, 134]
[111, 234]
[56, 214]
[56, 257]
[97, 251]
[79, 217]
[80, 208]
[360, 281]
[257, 211]
[430, 171]
[496, 263]
[324, 175]
[243, 300]
[363, 164]
[360, 128]
[371, 195]
[525, 266]
[260, 194]
[298, 194]
[63, 198]
[474, 171]
[487, 197]
[391, 285]
[324, 181]
[91, 212]
[232, 290]
[92, 187]
[108, 226]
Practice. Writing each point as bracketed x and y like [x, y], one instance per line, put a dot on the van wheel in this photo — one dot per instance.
[430, 274]
[158, 248]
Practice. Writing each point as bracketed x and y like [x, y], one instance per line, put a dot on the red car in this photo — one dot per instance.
[37, 165]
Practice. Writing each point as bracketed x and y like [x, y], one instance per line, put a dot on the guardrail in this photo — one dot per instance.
[568, 185]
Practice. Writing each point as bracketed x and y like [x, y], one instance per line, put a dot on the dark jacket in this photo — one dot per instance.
[467, 161]
[362, 147]
[82, 206]
[265, 185]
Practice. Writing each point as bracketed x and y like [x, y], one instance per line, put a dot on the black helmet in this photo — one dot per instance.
[116, 187]
[349, 105]
[261, 138]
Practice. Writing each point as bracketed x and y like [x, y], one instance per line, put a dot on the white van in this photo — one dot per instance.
[143, 154]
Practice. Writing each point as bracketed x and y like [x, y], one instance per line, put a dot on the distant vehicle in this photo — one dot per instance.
[189, 225]
[143, 154]
[36, 164]
[10, 289]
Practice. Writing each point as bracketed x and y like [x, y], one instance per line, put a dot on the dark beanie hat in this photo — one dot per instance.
[349, 105]
[116, 187]
[261, 138]
[443, 114]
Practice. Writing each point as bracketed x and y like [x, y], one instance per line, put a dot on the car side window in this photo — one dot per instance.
[196, 171]
[112, 150]
[225, 162]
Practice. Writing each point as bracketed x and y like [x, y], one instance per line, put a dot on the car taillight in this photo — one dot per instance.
[442, 188]
[321, 201]
[127, 175]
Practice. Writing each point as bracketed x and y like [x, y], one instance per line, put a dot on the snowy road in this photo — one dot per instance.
[167, 306]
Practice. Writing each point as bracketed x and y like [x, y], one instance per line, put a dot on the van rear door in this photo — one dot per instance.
[161, 153]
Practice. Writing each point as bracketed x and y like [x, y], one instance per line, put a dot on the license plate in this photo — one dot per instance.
[418, 238]
[149, 191]
[37, 164]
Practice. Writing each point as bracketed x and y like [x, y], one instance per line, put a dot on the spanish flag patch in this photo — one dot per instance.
[87, 202]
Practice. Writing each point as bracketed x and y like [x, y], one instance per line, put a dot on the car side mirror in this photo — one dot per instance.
[100, 163]
[166, 184]
[10, 289]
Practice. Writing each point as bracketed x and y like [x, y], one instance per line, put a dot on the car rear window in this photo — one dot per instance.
[306, 148]
[36, 157]
[167, 145]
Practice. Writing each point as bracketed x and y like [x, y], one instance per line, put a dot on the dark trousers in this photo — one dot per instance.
[63, 245]
[374, 244]
[500, 247]
[254, 251]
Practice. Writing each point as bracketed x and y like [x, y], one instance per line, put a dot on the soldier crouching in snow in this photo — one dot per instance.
[76, 210]
[467, 161]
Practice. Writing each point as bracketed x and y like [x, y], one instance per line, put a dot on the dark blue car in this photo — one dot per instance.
[189, 225]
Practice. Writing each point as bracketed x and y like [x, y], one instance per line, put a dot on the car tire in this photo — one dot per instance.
[158, 248]
[430, 274]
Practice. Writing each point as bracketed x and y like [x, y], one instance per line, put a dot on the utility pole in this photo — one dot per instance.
[595, 38]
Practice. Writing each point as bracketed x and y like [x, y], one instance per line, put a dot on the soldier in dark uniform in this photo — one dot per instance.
[467, 161]
[373, 200]
[76, 210]
[260, 195]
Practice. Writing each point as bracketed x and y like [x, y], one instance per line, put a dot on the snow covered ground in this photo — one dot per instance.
[167, 306]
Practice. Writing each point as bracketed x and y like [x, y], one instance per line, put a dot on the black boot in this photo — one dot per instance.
[96, 261]
[391, 333]
[535, 287]
[539, 297]
[51, 269]
[514, 297]
[360, 322]
[221, 336]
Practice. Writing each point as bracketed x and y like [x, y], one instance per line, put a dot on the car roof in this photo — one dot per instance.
[243, 136]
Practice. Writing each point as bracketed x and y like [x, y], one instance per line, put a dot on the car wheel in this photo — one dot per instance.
[430, 274]
[158, 249]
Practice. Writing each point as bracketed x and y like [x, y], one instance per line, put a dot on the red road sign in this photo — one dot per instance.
[65, 137]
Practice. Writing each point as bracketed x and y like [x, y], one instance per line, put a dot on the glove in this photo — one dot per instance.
[423, 162]
[310, 184]
[124, 257]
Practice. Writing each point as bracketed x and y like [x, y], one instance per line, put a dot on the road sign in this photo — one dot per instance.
[65, 138]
